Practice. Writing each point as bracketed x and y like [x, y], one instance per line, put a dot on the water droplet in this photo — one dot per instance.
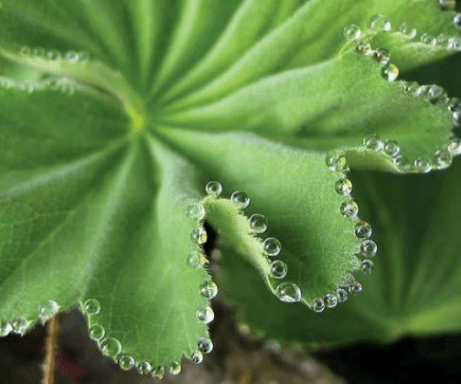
[356, 287]
[71, 56]
[240, 199]
[318, 305]
[209, 289]
[390, 72]
[391, 148]
[48, 311]
[446, 5]
[5, 328]
[196, 260]
[455, 43]
[373, 143]
[454, 105]
[196, 211]
[19, 325]
[362, 230]
[412, 87]
[126, 362]
[456, 118]
[288, 292]
[199, 236]
[408, 31]
[144, 367]
[196, 357]
[342, 295]
[437, 95]
[278, 269]
[205, 345]
[457, 20]
[428, 39]
[39, 52]
[158, 373]
[382, 56]
[363, 48]
[422, 165]
[213, 188]
[343, 187]
[335, 161]
[330, 300]
[96, 331]
[442, 159]
[380, 23]
[175, 368]
[367, 266]
[368, 248]
[349, 208]
[258, 223]
[205, 315]
[111, 347]
[454, 146]
[92, 307]
[402, 162]
[25, 51]
[271, 246]
[352, 32]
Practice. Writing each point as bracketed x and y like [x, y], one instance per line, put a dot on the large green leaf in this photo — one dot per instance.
[117, 113]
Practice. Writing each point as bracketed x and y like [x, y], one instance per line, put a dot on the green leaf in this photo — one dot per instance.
[78, 194]
[116, 114]
[414, 288]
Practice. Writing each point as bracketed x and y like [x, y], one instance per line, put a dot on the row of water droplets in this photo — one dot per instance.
[271, 247]
[381, 23]
[65, 85]
[336, 162]
[112, 347]
[20, 325]
[434, 94]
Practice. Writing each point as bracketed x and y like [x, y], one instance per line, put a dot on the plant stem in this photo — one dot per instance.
[53, 327]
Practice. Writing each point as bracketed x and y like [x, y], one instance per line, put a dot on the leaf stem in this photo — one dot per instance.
[50, 362]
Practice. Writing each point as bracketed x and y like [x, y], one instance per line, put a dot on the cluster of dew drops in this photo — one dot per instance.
[271, 247]
[434, 94]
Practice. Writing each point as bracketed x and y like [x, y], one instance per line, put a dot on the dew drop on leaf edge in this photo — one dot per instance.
[111, 347]
[209, 289]
[258, 223]
[278, 269]
[213, 188]
[126, 362]
[288, 292]
[271, 246]
[196, 357]
[96, 331]
[144, 367]
[92, 307]
[205, 345]
[240, 199]
[330, 300]
[47, 311]
[318, 305]
[205, 315]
